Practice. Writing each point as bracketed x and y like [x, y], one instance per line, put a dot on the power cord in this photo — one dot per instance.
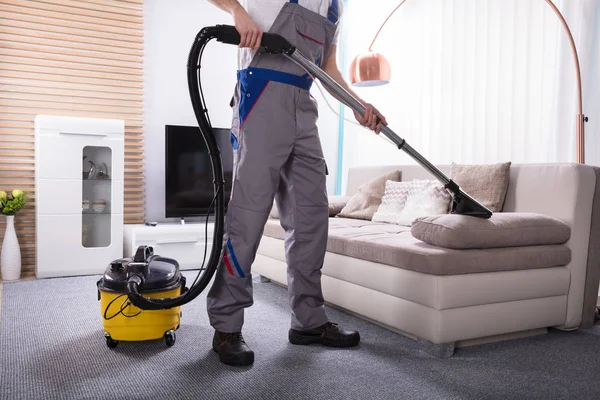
[121, 309]
[203, 267]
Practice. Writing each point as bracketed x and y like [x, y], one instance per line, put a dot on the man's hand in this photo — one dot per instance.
[369, 119]
[250, 32]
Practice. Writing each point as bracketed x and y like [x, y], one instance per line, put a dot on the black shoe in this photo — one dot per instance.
[232, 349]
[327, 335]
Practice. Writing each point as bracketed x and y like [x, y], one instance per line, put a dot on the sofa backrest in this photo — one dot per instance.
[567, 191]
[359, 175]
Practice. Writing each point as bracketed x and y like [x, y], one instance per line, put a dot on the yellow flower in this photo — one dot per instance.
[3, 196]
[17, 193]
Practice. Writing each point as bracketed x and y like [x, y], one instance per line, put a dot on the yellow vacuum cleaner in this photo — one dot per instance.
[125, 322]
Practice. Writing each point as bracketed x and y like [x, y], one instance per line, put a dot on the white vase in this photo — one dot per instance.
[10, 258]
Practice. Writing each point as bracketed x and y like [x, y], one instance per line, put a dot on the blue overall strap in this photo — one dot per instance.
[333, 12]
[254, 81]
[275, 76]
[294, 1]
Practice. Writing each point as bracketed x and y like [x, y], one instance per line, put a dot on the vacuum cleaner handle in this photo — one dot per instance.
[271, 42]
[142, 253]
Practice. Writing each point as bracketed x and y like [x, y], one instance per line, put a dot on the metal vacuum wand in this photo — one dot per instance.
[357, 106]
[462, 203]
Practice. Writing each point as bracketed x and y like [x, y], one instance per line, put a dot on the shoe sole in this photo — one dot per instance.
[239, 360]
[298, 339]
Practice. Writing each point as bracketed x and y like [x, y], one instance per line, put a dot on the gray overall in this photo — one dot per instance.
[277, 154]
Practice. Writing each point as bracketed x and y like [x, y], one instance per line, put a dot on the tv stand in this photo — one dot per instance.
[184, 242]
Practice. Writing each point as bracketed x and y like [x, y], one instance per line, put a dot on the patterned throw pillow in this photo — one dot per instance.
[425, 198]
[393, 201]
[364, 203]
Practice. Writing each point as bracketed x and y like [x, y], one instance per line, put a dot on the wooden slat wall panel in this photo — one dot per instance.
[70, 58]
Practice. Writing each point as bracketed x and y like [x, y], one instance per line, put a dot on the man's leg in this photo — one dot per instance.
[304, 214]
[261, 146]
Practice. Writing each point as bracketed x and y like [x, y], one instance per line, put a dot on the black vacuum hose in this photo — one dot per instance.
[193, 70]
[272, 43]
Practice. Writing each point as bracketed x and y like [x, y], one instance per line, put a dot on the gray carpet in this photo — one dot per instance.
[52, 347]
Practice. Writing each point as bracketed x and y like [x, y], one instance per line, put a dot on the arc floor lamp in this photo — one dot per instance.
[373, 69]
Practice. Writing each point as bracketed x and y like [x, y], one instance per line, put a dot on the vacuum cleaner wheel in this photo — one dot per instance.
[110, 342]
[170, 338]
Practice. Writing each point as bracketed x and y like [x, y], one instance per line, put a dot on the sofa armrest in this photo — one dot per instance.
[568, 192]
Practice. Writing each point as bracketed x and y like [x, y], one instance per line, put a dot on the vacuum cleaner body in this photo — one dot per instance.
[122, 320]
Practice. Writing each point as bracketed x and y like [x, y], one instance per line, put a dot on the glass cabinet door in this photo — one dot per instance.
[96, 190]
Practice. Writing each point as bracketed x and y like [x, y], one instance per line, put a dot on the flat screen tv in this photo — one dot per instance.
[189, 187]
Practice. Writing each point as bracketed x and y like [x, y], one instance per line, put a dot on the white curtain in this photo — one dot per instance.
[476, 81]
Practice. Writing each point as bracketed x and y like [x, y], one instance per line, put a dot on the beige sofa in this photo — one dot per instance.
[382, 273]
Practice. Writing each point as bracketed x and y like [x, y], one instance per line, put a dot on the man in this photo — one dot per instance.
[278, 154]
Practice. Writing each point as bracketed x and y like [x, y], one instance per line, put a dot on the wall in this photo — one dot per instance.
[170, 27]
[67, 58]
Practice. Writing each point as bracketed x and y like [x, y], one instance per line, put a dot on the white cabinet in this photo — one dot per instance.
[79, 184]
[184, 243]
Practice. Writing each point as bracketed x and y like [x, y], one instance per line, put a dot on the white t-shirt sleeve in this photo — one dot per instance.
[339, 25]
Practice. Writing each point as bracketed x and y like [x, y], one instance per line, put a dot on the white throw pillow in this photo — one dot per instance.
[424, 200]
[392, 202]
[394, 199]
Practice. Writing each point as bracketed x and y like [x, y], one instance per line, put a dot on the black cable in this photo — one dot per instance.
[109, 304]
[127, 305]
[121, 309]
[206, 236]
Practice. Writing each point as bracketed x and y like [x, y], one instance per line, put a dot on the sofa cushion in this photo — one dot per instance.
[395, 246]
[487, 184]
[500, 230]
[336, 203]
[367, 199]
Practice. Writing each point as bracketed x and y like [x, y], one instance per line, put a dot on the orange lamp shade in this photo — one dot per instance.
[370, 69]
